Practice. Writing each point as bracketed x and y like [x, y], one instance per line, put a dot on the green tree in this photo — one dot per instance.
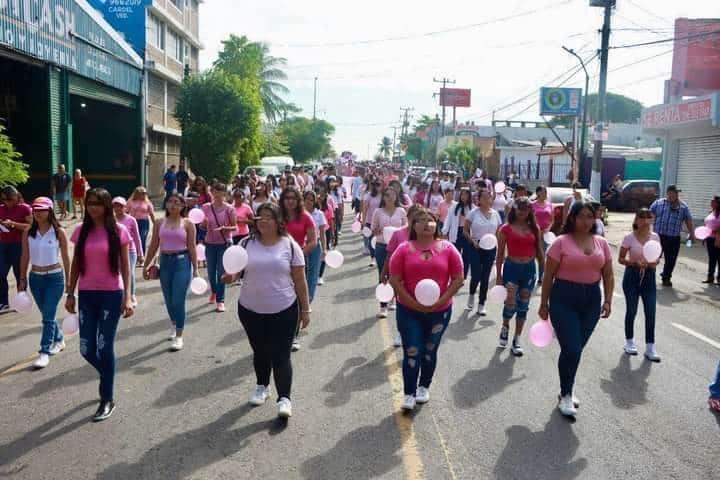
[460, 153]
[619, 109]
[423, 122]
[307, 139]
[244, 58]
[275, 143]
[220, 118]
[12, 170]
[385, 147]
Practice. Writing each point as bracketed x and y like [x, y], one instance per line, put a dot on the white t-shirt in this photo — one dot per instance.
[320, 221]
[480, 225]
[500, 202]
[267, 284]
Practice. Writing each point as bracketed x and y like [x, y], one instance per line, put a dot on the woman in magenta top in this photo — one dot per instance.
[712, 243]
[423, 256]
[434, 198]
[244, 215]
[101, 272]
[571, 297]
[136, 250]
[543, 211]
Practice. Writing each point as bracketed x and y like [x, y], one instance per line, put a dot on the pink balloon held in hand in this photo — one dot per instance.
[702, 232]
[541, 333]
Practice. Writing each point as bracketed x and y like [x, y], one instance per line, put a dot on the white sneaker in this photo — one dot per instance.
[422, 395]
[482, 311]
[134, 301]
[575, 401]
[372, 263]
[504, 332]
[284, 408]
[408, 403]
[57, 347]
[321, 281]
[471, 302]
[392, 306]
[295, 345]
[566, 406]
[397, 341]
[383, 313]
[173, 334]
[42, 361]
[177, 344]
[630, 347]
[651, 354]
[260, 395]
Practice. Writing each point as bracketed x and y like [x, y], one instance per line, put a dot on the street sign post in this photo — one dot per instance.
[560, 101]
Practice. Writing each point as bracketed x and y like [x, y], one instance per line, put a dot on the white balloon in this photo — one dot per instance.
[198, 286]
[497, 294]
[702, 232]
[22, 302]
[334, 259]
[200, 251]
[196, 216]
[373, 242]
[356, 227]
[366, 232]
[384, 293]
[71, 325]
[549, 237]
[427, 292]
[652, 251]
[488, 242]
[235, 259]
[388, 233]
[500, 187]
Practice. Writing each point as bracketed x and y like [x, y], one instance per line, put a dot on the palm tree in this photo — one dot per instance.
[270, 87]
[385, 147]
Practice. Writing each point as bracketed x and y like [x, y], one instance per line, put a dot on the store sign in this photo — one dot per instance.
[455, 97]
[560, 101]
[668, 116]
[127, 17]
[696, 55]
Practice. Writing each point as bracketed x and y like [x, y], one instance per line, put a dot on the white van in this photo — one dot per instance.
[279, 162]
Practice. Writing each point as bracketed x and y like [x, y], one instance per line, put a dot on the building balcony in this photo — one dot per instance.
[184, 22]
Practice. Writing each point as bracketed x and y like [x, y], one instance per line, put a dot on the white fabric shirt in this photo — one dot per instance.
[480, 225]
[44, 249]
[320, 222]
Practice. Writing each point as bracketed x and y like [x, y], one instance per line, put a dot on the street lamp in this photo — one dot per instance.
[583, 140]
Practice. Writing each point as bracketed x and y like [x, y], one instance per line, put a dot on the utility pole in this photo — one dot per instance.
[315, 99]
[602, 91]
[444, 82]
[392, 154]
[583, 132]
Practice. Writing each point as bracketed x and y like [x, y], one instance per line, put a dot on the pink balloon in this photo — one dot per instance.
[500, 187]
[427, 292]
[703, 232]
[70, 325]
[497, 294]
[541, 333]
[384, 293]
[198, 286]
[652, 251]
[200, 250]
[356, 227]
[22, 302]
[196, 216]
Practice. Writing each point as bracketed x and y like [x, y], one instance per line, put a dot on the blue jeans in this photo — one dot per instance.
[214, 255]
[175, 277]
[421, 334]
[133, 263]
[9, 258]
[368, 245]
[464, 248]
[574, 311]
[47, 291]
[715, 386]
[143, 229]
[99, 318]
[312, 270]
[521, 277]
[636, 287]
[481, 265]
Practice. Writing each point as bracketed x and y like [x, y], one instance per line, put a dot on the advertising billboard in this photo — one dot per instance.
[127, 17]
[696, 56]
[560, 101]
[454, 97]
[663, 117]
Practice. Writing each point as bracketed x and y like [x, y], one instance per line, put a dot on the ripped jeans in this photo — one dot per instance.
[519, 279]
[421, 334]
[99, 314]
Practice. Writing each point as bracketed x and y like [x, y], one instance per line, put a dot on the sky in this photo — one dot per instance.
[374, 57]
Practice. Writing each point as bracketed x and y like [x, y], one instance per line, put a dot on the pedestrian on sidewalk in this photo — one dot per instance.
[639, 283]
[671, 214]
[15, 217]
[80, 185]
[424, 256]
[370, 203]
[453, 228]
[61, 184]
[220, 223]
[482, 220]
[516, 271]
[571, 297]
[273, 302]
[142, 210]
[712, 243]
[310, 200]
[169, 182]
[543, 211]
[101, 272]
[136, 250]
[174, 237]
[43, 246]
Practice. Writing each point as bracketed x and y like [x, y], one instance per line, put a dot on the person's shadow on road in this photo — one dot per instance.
[343, 334]
[627, 387]
[461, 328]
[355, 375]
[476, 386]
[547, 454]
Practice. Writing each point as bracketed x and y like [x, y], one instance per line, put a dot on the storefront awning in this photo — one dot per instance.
[694, 112]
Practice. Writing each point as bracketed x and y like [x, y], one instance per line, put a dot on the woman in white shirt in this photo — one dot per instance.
[483, 220]
[454, 225]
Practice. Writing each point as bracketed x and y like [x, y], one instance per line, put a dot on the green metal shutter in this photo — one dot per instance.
[89, 89]
[55, 112]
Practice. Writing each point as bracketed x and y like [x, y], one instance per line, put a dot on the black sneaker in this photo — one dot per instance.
[666, 282]
[503, 337]
[106, 408]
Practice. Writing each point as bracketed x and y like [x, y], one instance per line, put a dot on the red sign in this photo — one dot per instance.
[696, 58]
[665, 116]
[454, 97]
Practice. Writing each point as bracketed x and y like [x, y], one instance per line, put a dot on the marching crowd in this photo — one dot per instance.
[424, 236]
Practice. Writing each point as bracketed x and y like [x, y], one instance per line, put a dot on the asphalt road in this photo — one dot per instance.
[185, 414]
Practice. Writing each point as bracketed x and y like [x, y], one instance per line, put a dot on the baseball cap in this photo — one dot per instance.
[673, 188]
[119, 200]
[42, 203]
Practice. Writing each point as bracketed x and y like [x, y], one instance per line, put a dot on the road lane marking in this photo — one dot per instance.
[409, 447]
[697, 335]
[444, 447]
[16, 367]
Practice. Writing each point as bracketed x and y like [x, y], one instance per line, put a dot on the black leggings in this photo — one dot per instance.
[271, 336]
[713, 257]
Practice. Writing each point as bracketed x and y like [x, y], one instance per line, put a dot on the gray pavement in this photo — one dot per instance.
[185, 414]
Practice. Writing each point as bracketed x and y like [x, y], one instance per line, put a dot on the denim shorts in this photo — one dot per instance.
[522, 275]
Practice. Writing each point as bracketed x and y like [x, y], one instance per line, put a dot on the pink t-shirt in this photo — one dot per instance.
[298, 228]
[575, 266]
[543, 215]
[217, 217]
[381, 219]
[97, 274]
[398, 237]
[443, 210]
[410, 264]
[712, 222]
[434, 201]
[373, 203]
[139, 209]
[243, 212]
[635, 248]
[132, 227]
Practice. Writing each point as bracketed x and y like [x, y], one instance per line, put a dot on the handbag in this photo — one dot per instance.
[228, 242]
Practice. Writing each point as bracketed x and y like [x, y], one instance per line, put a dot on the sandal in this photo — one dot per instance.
[714, 404]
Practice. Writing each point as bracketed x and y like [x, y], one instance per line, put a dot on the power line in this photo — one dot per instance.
[648, 12]
[427, 34]
[666, 40]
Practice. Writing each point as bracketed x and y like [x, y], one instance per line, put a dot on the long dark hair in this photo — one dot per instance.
[716, 201]
[397, 198]
[103, 196]
[532, 223]
[183, 210]
[300, 207]
[52, 219]
[641, 213]
[578, 206]
[421, 212]
[462, 206]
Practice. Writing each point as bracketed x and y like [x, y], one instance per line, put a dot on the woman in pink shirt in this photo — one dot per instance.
[136, 250]
[243, 214]
[639, 282]
[220, 223]
[434, 197]
[101, 272]
[423, 256]
[444, 207]
[141, 209]
[712, 243]
[571, 297]
[543, 211]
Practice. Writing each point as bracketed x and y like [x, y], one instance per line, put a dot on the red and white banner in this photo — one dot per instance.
[667, 116]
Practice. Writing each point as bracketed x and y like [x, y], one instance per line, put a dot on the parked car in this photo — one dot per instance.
[280, 162]
[557, 196]
[262, 171]
[633, 194]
